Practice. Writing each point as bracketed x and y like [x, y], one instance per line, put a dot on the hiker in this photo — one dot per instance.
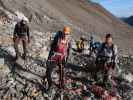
[21, 34]
[91, 42]
[94, 46]
[107, 57]
[80, 44]
[59, 52]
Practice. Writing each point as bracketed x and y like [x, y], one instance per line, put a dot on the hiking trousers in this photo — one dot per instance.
[106, 69]
[50, 67]
[17, 40]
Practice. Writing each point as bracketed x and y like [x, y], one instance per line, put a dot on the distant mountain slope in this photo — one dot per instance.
[128, 20]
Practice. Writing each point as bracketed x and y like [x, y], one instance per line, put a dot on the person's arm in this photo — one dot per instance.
[68, 50]
[115, 58]
[28, 34]
[116, 61]
[15, 32]
[69, 47]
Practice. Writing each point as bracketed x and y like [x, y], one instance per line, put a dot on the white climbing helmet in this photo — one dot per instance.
[20, 16]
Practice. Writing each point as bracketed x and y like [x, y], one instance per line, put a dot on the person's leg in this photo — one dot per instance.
[24, 42]
[16, 43]
[106, 72]
[61, 72]
[105, 78]
[113, 74]
[110, 69]
[99, 68]
[96, 70]
[48, 73]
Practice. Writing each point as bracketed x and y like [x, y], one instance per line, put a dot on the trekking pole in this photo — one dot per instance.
[61, 76]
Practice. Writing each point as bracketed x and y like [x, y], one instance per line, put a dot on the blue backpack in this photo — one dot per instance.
[97, 45]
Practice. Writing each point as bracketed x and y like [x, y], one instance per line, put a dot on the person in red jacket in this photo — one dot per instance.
[59, 53]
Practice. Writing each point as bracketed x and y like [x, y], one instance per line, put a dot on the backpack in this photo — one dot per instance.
[54, 44]
[97, 45]
[55, 47]
[80, 45]
[55, 40]
[103, 59]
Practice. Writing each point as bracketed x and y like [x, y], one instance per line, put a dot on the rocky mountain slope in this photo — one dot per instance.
[84, 17]
[23, 80]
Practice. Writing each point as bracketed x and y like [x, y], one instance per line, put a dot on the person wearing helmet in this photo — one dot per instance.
[80, 44]
[60, 47]
[21, 34]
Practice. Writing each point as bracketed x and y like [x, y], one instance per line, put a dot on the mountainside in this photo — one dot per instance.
[26, 79]
[128, 20]
[84, 17]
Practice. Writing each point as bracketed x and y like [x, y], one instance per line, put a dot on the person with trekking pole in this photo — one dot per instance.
[59, 53]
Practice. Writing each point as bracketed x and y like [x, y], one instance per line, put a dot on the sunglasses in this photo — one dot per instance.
[67, 33]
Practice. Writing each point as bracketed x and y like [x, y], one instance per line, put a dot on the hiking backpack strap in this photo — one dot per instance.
[102, 48]
[113, 51]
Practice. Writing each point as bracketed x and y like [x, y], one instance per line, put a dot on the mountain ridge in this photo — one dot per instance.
[128, 20]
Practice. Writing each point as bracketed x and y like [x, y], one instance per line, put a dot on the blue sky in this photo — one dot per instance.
[120, 8]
